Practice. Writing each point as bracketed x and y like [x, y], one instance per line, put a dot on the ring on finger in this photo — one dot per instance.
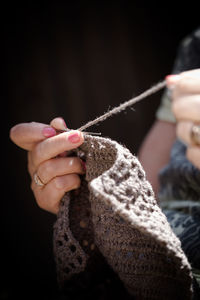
[195, 134]
[38, 180]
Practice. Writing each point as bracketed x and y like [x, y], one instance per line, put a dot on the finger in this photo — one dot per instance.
[184, 83]
[25, 135]
[183, 131]
[48, 197]
[50, 148]
[60, 166]
[193, 154]
[58, 123]
[187, 108]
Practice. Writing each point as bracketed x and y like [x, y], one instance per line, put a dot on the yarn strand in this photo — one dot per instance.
[124, 105]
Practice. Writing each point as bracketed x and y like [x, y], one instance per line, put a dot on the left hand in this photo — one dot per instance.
[185, 88]
[47, 158]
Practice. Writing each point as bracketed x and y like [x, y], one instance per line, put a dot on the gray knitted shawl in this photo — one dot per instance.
[114, 215]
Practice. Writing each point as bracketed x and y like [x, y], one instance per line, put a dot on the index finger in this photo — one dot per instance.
[187, 82]
[50, 148]
[26, 135]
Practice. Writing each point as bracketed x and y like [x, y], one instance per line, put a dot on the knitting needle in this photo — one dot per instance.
[91, 133]
[84, 132]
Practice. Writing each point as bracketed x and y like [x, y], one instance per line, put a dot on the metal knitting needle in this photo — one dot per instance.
[84, 132]
[91, 133]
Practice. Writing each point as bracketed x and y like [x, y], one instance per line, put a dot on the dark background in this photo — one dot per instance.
[74, 59]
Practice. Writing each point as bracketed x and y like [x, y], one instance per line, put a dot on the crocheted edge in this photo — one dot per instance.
[99, 185]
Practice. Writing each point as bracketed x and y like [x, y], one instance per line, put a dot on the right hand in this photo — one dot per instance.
[185, 89]
[47, 157]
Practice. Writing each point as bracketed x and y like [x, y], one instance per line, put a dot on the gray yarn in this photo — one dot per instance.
[124, 105]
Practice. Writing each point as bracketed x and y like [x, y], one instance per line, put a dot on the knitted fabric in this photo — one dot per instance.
[115, 214]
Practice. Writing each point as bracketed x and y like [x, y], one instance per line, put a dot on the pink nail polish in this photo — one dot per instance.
[74, 138]
[48, 131]
[172, 79]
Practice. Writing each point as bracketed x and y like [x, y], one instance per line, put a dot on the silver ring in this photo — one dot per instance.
[195, 134]
[37, 180]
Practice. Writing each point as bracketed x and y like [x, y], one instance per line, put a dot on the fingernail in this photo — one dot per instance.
[172, 79]
[74, 137]
[63, 124]
[48, 131]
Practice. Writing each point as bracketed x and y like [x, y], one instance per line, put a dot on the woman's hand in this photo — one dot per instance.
[47, 158]
[185, 89]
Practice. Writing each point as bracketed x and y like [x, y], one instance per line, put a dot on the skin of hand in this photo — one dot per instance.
[47, 155]
[185, 89]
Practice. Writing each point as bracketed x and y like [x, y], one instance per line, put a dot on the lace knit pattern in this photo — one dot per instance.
[120, 219]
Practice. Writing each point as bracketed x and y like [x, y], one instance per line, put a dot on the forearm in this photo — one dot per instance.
[155, 150]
